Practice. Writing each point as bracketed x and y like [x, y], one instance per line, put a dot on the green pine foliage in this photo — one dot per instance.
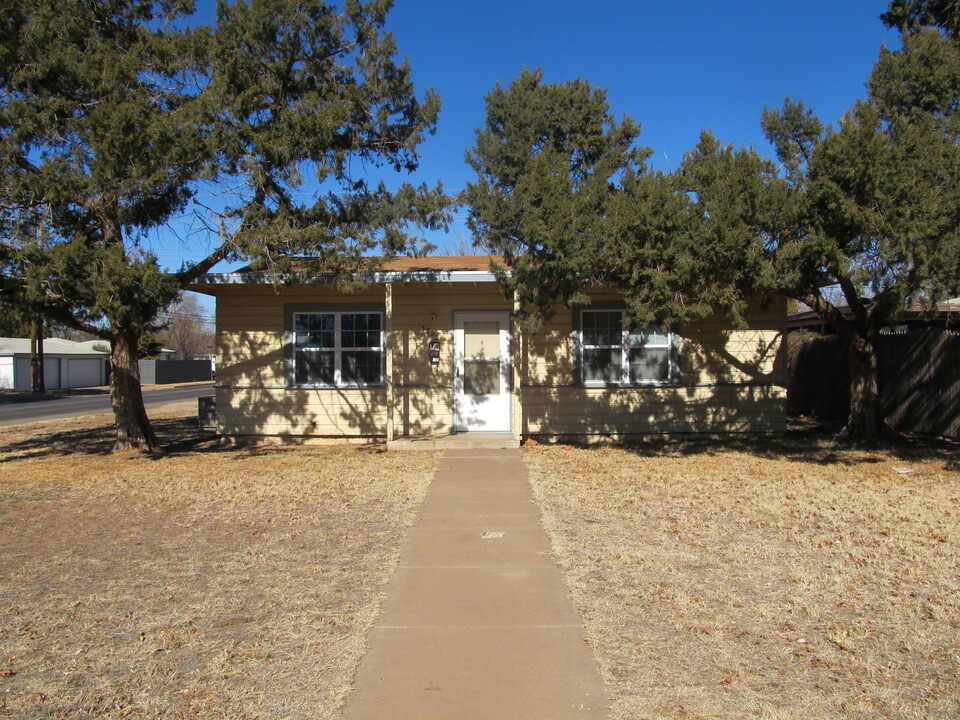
[874, 201]
[547, 161]
[857, 221]
[564, 194]
[115, 114]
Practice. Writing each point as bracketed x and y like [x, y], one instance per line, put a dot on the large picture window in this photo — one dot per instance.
[611, 352]
[338, 349]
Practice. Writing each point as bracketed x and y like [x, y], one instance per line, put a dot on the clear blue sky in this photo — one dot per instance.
[675, 67]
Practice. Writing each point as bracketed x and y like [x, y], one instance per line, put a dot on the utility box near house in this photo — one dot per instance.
[207, 413]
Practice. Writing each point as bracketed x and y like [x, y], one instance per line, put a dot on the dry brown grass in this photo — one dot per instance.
[202, 583]
[763, 579]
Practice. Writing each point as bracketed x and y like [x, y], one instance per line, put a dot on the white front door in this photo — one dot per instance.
[481, 378]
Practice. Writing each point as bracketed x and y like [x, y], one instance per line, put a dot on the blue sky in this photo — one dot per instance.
[675, 67]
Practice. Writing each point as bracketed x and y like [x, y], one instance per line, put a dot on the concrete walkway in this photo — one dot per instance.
[477, 622]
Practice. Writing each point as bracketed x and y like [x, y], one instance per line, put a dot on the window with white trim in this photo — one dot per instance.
[612, 353]
[338, 349]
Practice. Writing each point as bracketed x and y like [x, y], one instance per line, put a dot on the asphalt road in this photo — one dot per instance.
[16, 408]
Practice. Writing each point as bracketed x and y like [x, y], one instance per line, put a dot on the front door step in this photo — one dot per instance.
[456, 441]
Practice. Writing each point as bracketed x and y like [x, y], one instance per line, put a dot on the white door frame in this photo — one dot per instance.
[486, 413]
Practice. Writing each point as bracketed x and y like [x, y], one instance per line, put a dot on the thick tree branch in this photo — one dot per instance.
[188, 275]
[830, 313]
[853, 300]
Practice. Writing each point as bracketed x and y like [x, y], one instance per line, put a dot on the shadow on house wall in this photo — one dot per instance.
[720, 390]
[729, 381]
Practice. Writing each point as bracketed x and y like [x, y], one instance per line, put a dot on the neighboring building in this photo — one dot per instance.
[100, 346]
[428, 348]
[946, 316]
[66, 364]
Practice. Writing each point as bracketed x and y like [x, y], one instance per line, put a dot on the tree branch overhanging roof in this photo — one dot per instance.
[437, 268]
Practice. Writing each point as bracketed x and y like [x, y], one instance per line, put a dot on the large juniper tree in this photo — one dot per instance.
[876, 202]
[563, 193]
[113, 113]
[866, 212]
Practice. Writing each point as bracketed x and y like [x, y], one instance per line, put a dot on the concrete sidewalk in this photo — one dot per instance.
[477, 622]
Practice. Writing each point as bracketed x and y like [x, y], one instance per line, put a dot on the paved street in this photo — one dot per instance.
[16, 408]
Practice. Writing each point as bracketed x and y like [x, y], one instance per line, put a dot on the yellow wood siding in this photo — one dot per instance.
[252, 397]
[730, 380]
[423, 392]
[298, 412]
[622, 412]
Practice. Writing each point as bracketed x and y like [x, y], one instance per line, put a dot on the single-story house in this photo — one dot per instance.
[428, 348]
[66, 364]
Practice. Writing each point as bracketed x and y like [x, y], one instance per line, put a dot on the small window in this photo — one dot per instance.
[338, 349]
[613, 353]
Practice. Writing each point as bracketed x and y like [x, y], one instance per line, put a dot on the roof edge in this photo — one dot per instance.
[264, 278]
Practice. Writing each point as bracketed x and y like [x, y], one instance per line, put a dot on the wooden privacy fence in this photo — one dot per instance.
[919, 378]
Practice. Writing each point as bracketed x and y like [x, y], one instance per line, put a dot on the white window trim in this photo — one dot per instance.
[672, 347]
[338, 349]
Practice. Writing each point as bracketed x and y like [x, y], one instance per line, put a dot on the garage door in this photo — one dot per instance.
[83, 372]
[51, 373]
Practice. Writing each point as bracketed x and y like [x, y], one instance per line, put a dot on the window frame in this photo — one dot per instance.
[625, 346]
[292, 312]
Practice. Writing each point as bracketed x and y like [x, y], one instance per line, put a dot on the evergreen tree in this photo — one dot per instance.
[866, 212]
[874, 202]
[563, 193]
[909, 16]
[114, 113]
[14, 320]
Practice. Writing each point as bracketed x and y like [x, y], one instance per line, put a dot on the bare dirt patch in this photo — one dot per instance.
[763, 579]
[200, 583]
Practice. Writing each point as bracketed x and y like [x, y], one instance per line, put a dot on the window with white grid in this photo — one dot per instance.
[612, 353]
[338, 349]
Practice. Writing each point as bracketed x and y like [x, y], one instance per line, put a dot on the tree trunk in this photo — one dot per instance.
[865, 421]
[36, 355]
[133, 426]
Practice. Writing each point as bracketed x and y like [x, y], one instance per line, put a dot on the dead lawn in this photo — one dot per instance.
[204, 583]
[763, 579]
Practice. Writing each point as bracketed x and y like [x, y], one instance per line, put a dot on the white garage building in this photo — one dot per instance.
[66, 364]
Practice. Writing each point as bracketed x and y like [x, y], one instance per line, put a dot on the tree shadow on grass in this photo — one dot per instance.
[806, 441]
[177, 436]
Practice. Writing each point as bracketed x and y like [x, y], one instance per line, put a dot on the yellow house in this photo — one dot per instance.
[428, 351]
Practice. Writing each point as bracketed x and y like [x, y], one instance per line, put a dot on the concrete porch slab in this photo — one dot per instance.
[456, 441]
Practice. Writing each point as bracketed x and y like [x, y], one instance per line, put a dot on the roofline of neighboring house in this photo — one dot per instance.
[262, 278]
[92, 355]
[808, 318]
[10, 346]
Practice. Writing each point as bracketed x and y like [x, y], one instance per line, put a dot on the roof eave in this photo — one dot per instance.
[423, 276]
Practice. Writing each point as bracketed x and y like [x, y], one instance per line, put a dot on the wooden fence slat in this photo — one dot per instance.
[918, 374]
